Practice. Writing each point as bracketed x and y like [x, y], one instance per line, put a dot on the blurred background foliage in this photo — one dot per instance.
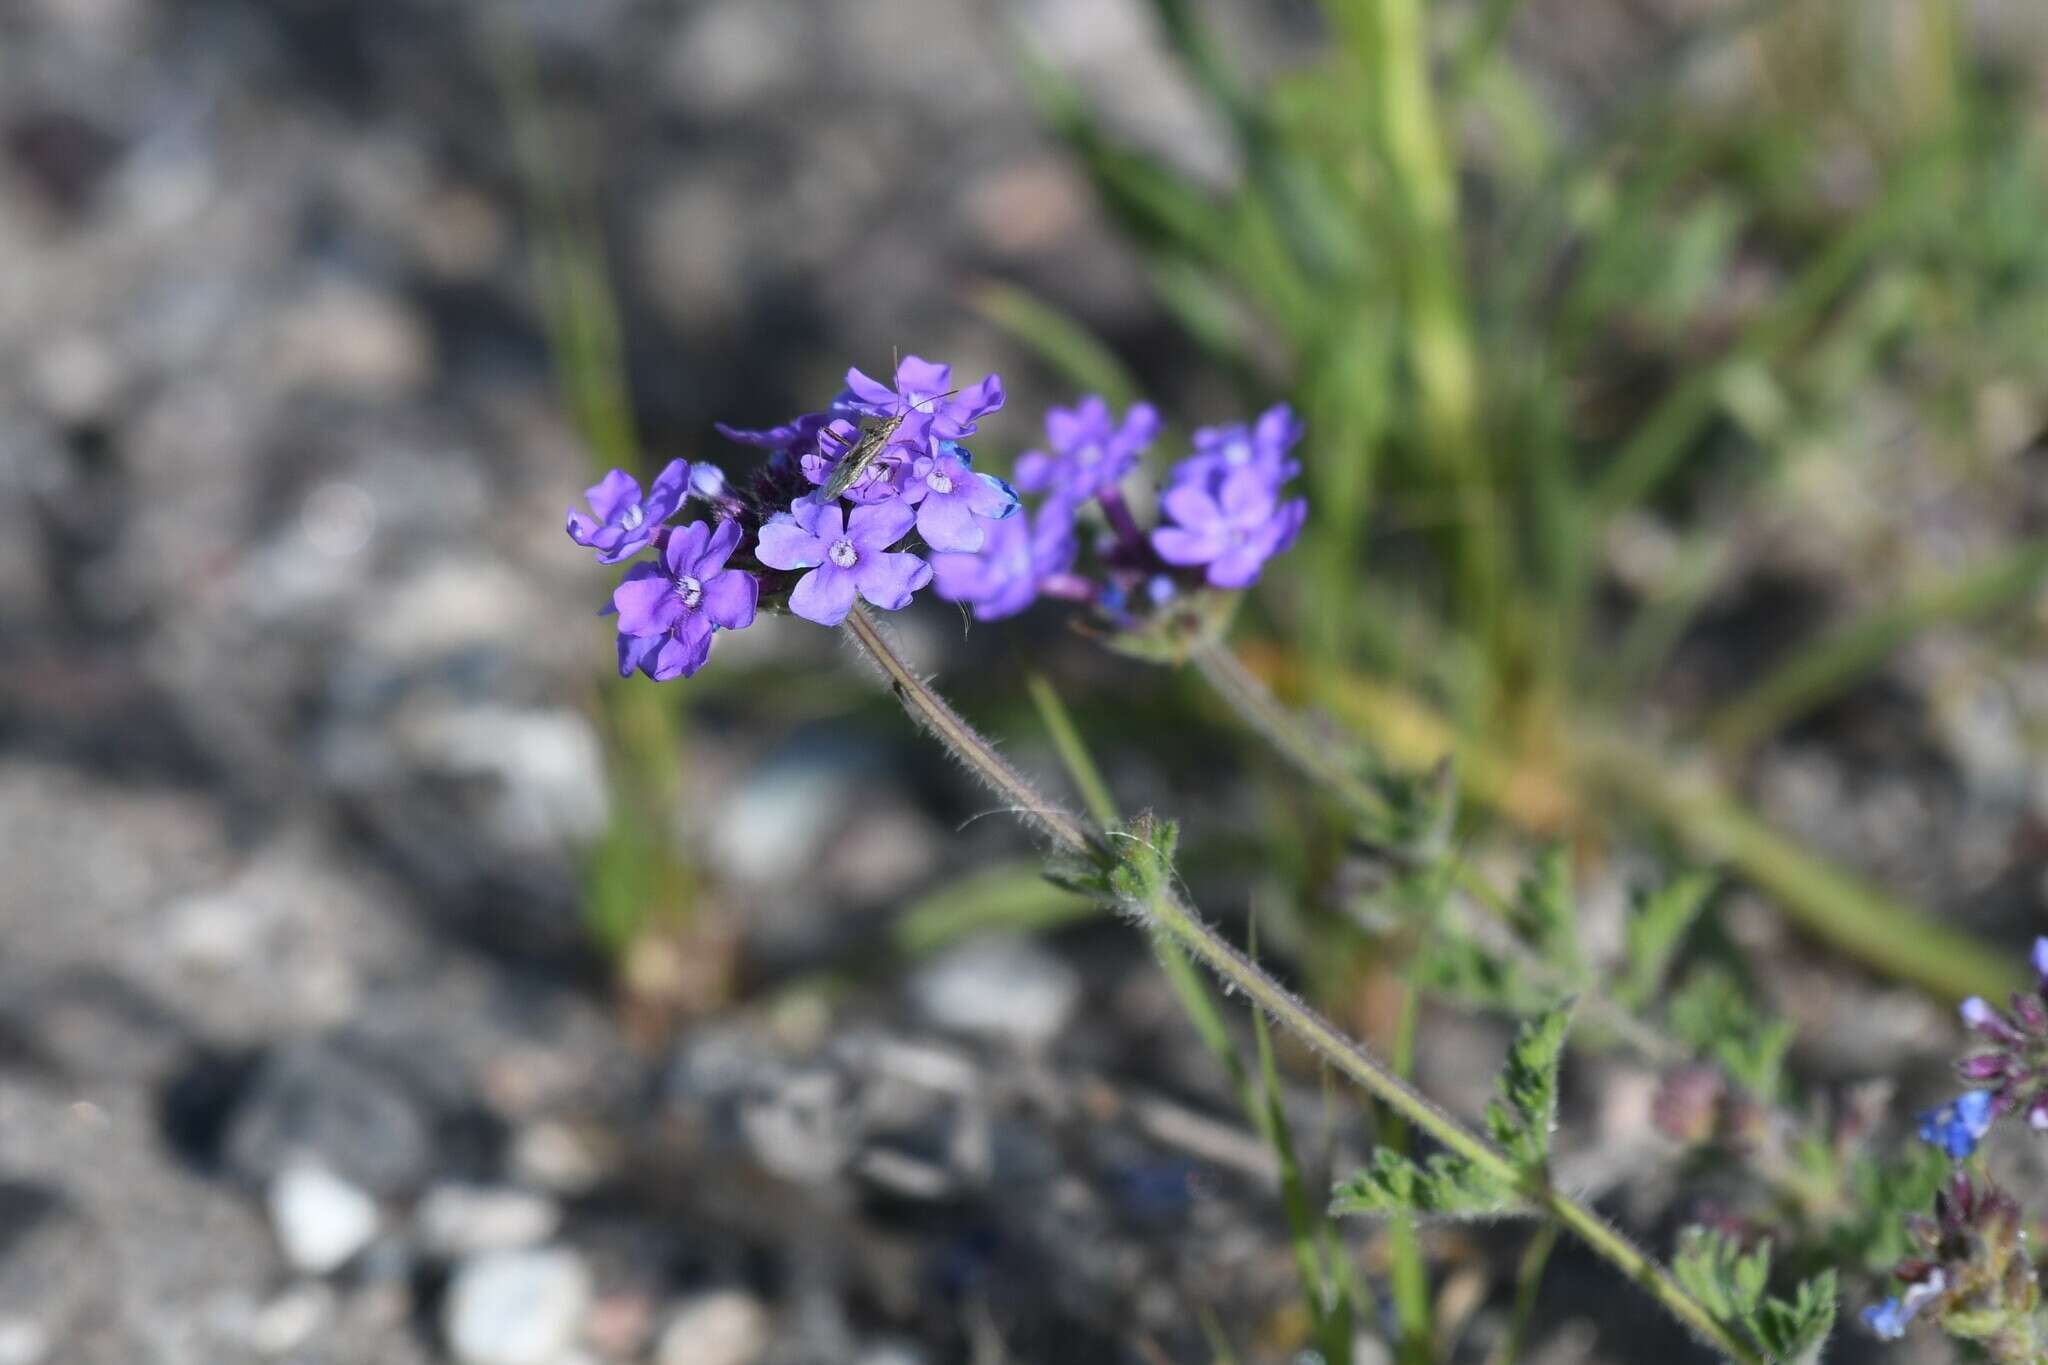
[1583, 369]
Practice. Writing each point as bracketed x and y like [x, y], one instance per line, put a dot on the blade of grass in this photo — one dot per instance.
[1663, 437]
[1062, 342]
[1835, 906]
[1408, 1273]
[1856, 648]
[1528, 1285]
[1010, 895]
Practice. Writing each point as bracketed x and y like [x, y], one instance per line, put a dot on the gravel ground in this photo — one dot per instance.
[303, 1054]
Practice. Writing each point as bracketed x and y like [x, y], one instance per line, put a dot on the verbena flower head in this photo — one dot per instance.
[1230, 527]
[1958, 1126]
[924, 397]
[913, 511]
[1091, 452]
[2015, 1064]
[1265, 445]
[953, 502]
[669, 610]
[1019, 556]
[623, 520]
[845, 556]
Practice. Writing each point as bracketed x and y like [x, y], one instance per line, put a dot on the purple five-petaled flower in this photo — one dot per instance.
[1016, 559]
[952, 500]
[627, 521]
[925, 398]
[845, 556]
[668, 610]
[1233, 526]
[1091, 452]
[1265, 445]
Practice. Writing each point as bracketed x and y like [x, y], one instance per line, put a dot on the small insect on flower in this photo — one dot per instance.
[873, 436]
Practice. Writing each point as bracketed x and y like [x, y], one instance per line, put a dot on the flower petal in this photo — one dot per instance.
[684, 652]
[890, 580]
[685, 548]
[1176, 545]
[613, 494]
[870, 391]
[669, 488]
[782, 544]
[646, 602]
[824, 595]
[946, 524]
[988, 496]
[878, 526]
[1191, 506]
[961, 577]
[729, 599]
[717, 549]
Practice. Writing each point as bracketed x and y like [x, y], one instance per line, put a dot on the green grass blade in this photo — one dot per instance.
[1663, 437]
[1061, 341]
[1858, 647]
[1007, 895]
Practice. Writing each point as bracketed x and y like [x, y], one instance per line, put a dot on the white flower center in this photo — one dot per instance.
[843, 554]
[1238, 451]
[1089, 455]
[690, 590]
[634, 515]
[938, 482]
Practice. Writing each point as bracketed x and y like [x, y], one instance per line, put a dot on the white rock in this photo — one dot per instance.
[321, 1219]
[725, 1327]
[462, 1220]
[23, 1342]
[999, 985]
[516, 1307]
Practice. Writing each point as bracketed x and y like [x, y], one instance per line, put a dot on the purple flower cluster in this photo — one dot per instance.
[1224, 503]
[876, 496]
[2015, 1063]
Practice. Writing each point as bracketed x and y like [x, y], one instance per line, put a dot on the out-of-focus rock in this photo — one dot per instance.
[516, 1307]
[1000, 986]
[321, 1220]
[725, 1327]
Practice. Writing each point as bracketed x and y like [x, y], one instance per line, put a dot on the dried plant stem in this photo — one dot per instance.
[1164, 910]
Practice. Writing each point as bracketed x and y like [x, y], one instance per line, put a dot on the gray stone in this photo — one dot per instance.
[317, 1100]
[998, 985]
[516, 1307]
[725, 1327]
[462, 1220]
[321, 1220]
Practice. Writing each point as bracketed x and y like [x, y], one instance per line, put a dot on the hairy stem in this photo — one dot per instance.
[1164, 910]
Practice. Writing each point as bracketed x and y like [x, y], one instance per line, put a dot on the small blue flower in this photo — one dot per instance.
[1957, 1127]
[1887, 1319]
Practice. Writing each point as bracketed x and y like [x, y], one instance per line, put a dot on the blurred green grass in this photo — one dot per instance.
[1493, 395]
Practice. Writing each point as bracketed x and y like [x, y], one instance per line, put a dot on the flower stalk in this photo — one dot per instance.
[1163, 908]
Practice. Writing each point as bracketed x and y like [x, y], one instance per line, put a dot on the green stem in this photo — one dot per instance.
[1408, 1273]
[1165, 911]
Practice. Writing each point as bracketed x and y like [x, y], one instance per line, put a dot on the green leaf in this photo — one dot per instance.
[1712, 1013]
[1733, 1285]
[1655, 930]
[1010, 895]
[1521, 1119]
[1444, 1187]
[1545, 914]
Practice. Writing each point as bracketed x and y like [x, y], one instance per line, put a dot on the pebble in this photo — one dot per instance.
[321, 1220]
[463, 1220]
[337, 1106]
[724, 1327]
[998, 985]
[516, 1307]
